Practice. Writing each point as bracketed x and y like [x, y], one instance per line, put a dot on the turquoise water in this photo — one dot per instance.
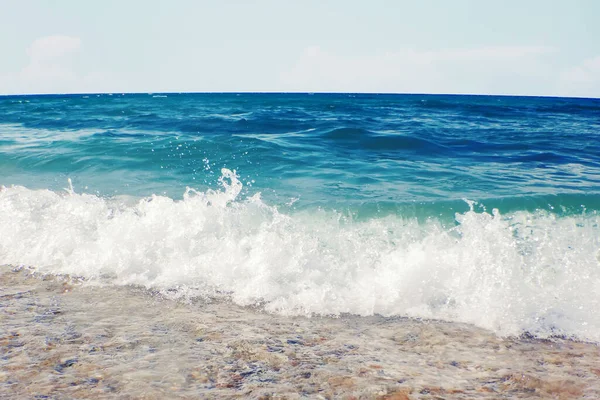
[473, 208]
[387, 153]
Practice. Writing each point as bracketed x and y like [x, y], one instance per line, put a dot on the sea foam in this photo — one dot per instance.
[514, 273]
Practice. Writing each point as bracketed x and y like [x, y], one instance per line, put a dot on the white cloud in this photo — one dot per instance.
[51, 48]
[50, 64]
[582, 80]
[498, 53]
[50, 67]
[53, 67]
[502, 69]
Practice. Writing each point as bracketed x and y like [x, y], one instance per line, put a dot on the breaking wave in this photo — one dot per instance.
[519, 272]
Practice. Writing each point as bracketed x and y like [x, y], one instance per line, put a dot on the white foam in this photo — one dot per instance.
[525, 271]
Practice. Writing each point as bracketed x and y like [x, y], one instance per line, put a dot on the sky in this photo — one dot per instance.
[524, 47]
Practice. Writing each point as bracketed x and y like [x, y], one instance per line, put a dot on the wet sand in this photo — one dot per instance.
[63, 339]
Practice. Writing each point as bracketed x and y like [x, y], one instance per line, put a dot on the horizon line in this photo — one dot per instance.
[121, 93]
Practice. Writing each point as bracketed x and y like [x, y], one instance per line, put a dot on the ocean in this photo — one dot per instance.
[476, 210]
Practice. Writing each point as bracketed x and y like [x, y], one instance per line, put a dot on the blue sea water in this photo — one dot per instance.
[482, 209]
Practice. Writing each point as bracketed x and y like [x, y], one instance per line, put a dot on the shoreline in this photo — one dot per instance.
[60, 339]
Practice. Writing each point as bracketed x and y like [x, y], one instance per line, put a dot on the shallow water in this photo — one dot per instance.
[63, 338]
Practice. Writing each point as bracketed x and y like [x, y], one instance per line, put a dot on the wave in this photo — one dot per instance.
[357, 138]
[518, 272]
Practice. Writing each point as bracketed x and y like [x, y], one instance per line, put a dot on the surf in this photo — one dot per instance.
[521, 271]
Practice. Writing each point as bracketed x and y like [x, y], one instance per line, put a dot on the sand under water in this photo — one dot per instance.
[63, 338]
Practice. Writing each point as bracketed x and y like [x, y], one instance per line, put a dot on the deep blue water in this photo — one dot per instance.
[363, 153]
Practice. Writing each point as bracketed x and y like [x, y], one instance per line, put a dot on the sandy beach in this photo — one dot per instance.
[64, 339]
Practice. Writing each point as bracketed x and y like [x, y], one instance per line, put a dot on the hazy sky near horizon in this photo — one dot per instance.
[525, 47]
